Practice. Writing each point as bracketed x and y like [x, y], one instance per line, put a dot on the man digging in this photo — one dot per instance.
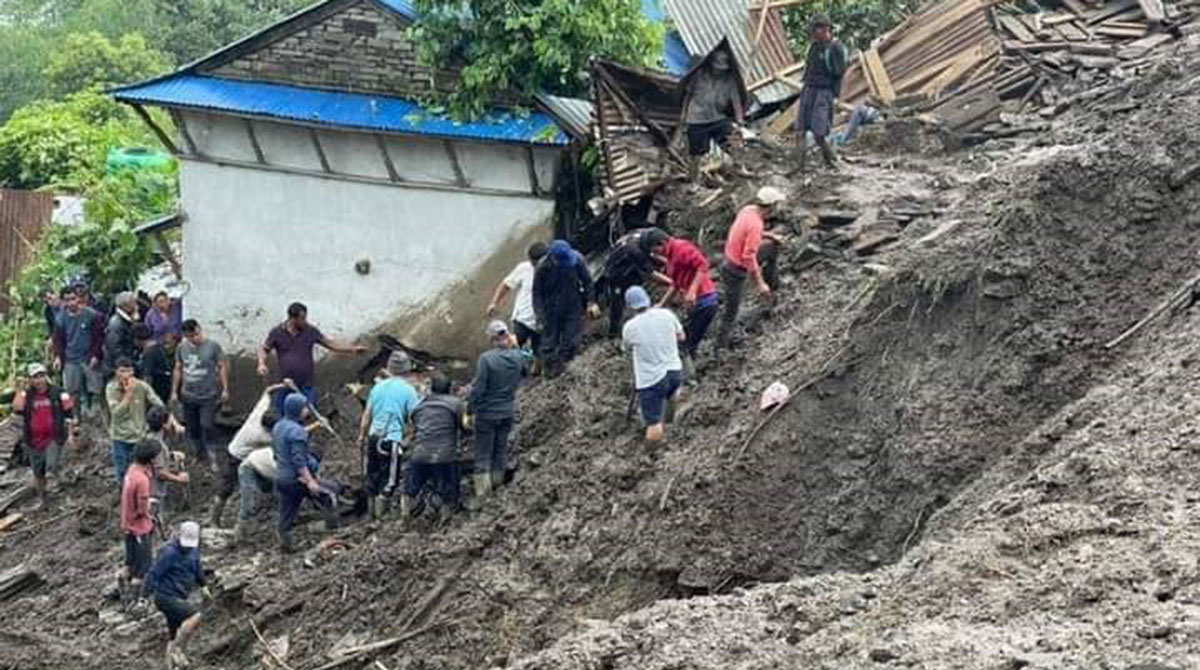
[653, 336]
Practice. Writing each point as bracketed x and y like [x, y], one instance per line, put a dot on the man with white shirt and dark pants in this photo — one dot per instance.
[524, 319]
[653, 336]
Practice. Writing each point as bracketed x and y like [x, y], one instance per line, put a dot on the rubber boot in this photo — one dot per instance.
[497, 479]
[286, 545]
[379, 507]
[827, 153]
[483, 484]
[672, 405]
[43, 497]
[689, 369]
[214, 515]
[239, 533]
[406, 507]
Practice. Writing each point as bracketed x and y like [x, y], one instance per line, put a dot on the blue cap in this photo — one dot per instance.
[637, 298]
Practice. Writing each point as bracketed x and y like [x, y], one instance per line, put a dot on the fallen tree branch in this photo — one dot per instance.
[359, 653]
[260, 621]
[267, 646]
[1176, 297]
[662, 502]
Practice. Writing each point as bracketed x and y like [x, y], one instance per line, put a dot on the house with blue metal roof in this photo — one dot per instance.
[311, 171]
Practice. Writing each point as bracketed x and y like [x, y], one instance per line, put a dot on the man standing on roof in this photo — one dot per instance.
[687, 267]
[715, 108]
[630, 263]
[823, 70]
[743, 248]
[524, 318]
[653, 336]
[293, 342]
[381, 431]
[493, 403]
[562, 287]
[46, 414]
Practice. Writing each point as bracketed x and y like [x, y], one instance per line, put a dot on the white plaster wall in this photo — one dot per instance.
[256, 240]
[217, 135]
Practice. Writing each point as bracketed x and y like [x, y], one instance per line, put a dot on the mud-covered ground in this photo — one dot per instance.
[966, 476]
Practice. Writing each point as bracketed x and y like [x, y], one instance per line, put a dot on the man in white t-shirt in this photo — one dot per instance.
[524, 320]
[653, 335]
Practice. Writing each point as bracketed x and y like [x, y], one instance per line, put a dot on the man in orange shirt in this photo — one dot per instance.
[743, 247]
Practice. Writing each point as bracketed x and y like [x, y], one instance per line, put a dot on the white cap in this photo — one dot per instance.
[497, 328]
[769, 195]
[189, 534]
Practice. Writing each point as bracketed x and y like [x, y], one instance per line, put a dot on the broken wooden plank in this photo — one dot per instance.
[1143, 46]
[1154, 11]
[1016, 28]
[870, 241]
[877, 75]
[1181, 294]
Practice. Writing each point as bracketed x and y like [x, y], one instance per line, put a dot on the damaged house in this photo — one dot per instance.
[309, 171]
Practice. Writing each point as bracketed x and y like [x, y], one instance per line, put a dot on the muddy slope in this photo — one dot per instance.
[926, 379]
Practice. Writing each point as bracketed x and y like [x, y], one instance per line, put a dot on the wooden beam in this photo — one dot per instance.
[258, 152]
[387, 158]
[316, 141]
[877, 76]
[534, 187]
[459, 175]
[337, 176]
[156, 129]
[183, 130]
[172, 260]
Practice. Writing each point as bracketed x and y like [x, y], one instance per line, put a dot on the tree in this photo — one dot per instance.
[91, 60]
[857, 22]
[66, 143]
[532, 46]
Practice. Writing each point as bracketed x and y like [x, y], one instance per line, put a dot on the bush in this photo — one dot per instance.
[856, 22]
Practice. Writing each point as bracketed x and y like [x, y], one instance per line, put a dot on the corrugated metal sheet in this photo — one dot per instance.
[23, 215]
[402, 7]
[704, 23]
[574, 114]
[333, 108]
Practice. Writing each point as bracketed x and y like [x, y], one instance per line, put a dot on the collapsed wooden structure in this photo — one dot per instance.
[961, 60]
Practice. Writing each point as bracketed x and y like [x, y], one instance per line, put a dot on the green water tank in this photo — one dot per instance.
[136, 158]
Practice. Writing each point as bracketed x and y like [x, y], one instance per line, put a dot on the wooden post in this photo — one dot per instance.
[156, 129]
[387, 158]
[459, 176]
[312, 133]
[258, 152]
[183, 130]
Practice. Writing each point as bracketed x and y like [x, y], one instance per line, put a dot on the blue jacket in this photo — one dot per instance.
[289, 441]
[176, 572]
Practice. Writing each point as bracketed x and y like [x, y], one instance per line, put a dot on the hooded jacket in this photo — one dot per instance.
[561, 282]
[289, 441]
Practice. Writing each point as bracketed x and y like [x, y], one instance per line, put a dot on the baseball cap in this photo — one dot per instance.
[36, 369]
[189, 534]
[769, 195]
[637, 298]
[497, 328]
[399, 363]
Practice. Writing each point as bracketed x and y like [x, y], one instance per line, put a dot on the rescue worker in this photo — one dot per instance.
[78, 349]
[295, 478]
[381, 431]
[562, 287]
[129, 399]
[653, 337]
[137, 517]
[46, 413]
[255, 433]
[747, 257]
[823, 70]
[630, 263]
[201, 384]
[687, 267]
[118, 335]
[178, 571]
[520, 280]
[493, 405]
[438, 421]
[293, 342]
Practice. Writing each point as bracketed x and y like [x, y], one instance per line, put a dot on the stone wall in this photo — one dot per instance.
[362, 49]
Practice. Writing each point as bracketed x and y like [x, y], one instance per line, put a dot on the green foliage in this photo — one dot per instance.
[103, 248]
[65, 143]
[538, 45]
[856, 22]
[90, 60]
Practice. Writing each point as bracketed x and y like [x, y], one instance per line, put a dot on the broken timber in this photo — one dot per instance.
[1175, 298]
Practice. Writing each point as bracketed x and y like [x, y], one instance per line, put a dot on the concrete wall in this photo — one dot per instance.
[259, 237]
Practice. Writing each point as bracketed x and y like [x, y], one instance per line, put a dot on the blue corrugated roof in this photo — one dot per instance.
[403, 7]
[676, 56]
[347, 110]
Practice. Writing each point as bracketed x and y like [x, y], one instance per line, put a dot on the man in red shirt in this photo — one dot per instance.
[743, 246]
[137, 519]
[46, 411]
[687, 267]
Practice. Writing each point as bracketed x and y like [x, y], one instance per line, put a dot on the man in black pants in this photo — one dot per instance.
[823, 70]
[201, 383]
[493, 402]
[562, 288]
[630, 263]
[715, 104]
